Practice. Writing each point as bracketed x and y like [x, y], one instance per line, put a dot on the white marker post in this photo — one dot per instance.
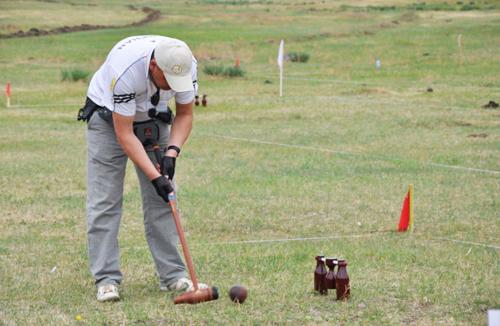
[460, 49]
[280, 64]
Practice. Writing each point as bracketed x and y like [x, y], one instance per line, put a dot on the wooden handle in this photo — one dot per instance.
[184, 245]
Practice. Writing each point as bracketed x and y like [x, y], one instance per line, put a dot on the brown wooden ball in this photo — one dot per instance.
[238, 293]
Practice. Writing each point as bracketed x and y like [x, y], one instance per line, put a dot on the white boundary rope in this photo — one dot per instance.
[469, 243]
[306, 77]
[462, 168]
[281, 144]
[282, 240]
[343, 152]
[293, 239]
[363, 235]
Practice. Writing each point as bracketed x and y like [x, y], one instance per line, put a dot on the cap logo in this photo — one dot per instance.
[177, 69]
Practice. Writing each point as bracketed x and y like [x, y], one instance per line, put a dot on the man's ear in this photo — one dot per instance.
[152, 63]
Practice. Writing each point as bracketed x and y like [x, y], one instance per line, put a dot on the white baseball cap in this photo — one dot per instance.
[175, 60]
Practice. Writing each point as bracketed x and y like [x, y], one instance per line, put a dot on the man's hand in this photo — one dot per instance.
[167, 166]
[163, 187]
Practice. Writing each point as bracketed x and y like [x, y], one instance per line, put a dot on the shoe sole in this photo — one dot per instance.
[112, 298]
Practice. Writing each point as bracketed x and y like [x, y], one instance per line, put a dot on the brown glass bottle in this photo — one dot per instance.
[330, 275]
[342, 281]
[320, 275]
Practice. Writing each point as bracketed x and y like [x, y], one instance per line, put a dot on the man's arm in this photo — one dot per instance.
[132, 146]
[181, 127]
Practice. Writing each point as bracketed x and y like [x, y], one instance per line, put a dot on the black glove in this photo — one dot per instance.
[167, 166]
[166, 116]
[163, 187]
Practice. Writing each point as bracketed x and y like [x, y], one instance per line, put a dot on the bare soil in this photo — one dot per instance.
[151, 15]
[491, 105]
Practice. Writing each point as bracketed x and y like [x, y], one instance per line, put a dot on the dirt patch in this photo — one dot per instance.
[462, 124]
[364, 90]
[72, 3]
[491, 105]
[151, 15]
[482, 135]
[445, 15]
[312, 37]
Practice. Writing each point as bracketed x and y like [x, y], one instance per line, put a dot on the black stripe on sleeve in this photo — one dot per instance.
[123, 98]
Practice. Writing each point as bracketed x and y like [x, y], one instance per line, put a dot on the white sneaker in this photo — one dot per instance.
[108, 292]
[183, 284]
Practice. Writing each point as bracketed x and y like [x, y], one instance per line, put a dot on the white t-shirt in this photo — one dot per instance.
[122, 83]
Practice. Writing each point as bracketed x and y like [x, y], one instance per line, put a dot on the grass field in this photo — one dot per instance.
[332, 158]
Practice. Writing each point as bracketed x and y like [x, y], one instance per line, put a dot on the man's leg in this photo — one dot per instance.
[106, 163]
[159, 225]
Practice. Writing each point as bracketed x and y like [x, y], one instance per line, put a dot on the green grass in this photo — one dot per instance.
[74, 75]
[361, 135]
[220, 70]
[234, 72]
[213, 70]
[298, 56]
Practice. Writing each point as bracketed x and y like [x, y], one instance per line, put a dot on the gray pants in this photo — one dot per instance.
[106, 172]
